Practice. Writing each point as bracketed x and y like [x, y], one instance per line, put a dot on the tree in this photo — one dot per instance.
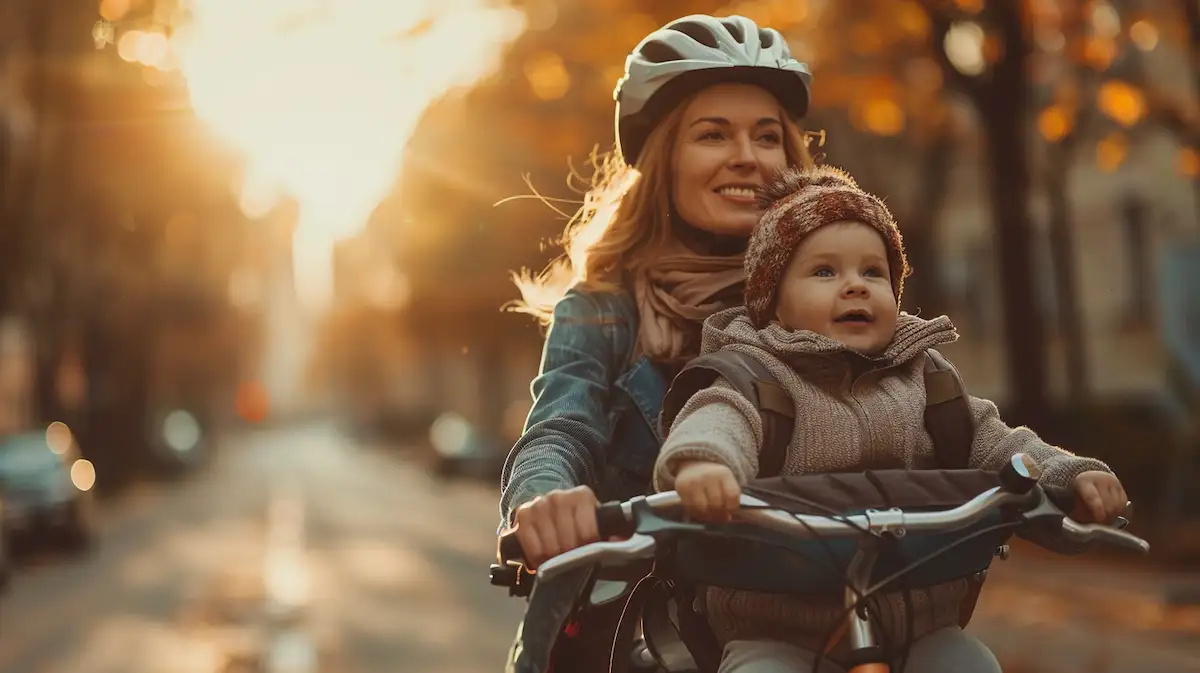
[1000, 94]
[1065, 122]
[30, 45]
[879, 95]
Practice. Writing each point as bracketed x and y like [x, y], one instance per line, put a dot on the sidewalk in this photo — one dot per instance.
[1042, 612]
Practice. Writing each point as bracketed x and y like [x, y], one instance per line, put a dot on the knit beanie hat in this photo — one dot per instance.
[797, 203]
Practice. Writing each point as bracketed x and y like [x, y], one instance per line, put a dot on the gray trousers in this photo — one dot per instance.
[947, 650]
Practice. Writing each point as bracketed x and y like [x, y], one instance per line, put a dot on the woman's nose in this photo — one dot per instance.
[743, 156]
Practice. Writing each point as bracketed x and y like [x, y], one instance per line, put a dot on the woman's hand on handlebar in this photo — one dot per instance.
[707, 490]
[559, 521]
[1100, 497]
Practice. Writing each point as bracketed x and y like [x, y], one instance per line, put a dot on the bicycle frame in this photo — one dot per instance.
[858, 625]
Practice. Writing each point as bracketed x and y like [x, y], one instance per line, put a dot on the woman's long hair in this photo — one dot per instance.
[625, 213]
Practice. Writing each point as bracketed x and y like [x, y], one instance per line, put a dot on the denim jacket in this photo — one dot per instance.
[595, 409]
[594, 421]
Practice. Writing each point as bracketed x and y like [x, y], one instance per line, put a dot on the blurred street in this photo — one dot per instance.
[385, 567]
[395, 562]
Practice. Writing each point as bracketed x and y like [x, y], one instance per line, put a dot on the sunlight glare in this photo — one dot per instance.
[322, 96]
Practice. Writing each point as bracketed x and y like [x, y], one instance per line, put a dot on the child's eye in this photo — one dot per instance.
[874, 271]
[823, 271]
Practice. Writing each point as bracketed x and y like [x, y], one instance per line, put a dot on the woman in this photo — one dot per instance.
[706, 114]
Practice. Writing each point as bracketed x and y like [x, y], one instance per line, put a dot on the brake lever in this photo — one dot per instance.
[1046, 508]
[634, 548]
[1091, 532]
[1087, 533]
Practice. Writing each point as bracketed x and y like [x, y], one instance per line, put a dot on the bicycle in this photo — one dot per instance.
[886, 541]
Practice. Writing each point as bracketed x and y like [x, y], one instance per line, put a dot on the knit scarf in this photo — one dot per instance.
[676, 292]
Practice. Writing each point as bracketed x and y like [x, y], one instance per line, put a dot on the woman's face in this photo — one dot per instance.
[729, 144]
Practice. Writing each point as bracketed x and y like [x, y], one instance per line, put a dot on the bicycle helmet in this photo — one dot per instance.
[694, 52]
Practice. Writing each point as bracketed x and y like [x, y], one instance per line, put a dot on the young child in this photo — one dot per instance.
[825, 270]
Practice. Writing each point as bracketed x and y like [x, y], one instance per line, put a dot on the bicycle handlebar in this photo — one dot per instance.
[895, 521]
[1018, 487]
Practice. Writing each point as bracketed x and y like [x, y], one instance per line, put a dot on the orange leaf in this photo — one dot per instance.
[1099, 53]
[882, 116]
[1111, 152]
[1122, 102]
[1054, 123]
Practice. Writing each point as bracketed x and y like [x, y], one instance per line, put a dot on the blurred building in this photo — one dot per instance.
[121, 236]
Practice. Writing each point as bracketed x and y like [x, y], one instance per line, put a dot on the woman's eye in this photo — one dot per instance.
[712, 135]
[772, 138]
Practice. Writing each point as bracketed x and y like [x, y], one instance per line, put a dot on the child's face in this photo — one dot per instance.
[838, 284]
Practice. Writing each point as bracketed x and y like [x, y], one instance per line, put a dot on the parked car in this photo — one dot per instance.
[46, 487]
[461, 449]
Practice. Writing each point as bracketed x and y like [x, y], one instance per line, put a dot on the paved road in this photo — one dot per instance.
[293, 531]
[1045, 613]
[302, 552]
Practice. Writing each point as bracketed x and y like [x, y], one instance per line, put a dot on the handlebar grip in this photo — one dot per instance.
[1062, 497]
[508, 548]
[610, 522]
